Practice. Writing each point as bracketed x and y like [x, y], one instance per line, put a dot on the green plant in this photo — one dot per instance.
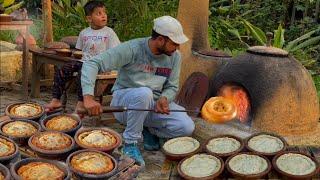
[229, 29]
[309, 39]
[8, 6]
[68, 18]
[8, 36]
[137, 19]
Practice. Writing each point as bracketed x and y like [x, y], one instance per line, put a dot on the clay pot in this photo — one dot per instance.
[6, 160]
[14, 168]
[5, 172]
[224, 155]
[291, 176]
[14, 117]
[20, 140]
[81, 175]
[71, 132]
[108, 149]
[248, 176]
[59, 154]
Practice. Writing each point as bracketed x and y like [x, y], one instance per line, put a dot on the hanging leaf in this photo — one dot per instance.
[13, 7]
[235, 32]
[278, 40]
[256, 32]
[306, 43]
[293, 43]
[7, 3]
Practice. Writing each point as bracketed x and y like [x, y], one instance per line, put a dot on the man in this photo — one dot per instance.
[148, 78]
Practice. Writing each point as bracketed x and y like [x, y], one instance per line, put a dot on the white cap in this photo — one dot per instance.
[169, 26]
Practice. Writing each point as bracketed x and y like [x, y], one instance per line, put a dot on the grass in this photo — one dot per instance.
[316, 80]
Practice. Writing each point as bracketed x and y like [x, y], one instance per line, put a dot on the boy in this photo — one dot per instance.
[92, 41]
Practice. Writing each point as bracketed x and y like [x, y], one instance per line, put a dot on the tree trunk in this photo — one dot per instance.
[316, 17]
[47, 71]
[293, 13]
[305, 13]
[47, 20]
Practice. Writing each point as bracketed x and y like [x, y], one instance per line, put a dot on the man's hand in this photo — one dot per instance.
[94, 108]
[162, 105]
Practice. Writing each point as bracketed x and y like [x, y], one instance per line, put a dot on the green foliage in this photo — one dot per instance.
[307, 40]
[8, 36]
[68, 18]
[137, 19]
[316, 79]
[278, 40]
[33, 6]
[230, 30]
[10, 5]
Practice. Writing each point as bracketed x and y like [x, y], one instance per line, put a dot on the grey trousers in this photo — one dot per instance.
[175, 124]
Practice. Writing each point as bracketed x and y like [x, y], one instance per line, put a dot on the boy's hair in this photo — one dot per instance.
[154, 35]
[91, 5]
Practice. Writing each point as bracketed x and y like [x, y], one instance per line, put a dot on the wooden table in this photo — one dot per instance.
[23, 28]
[40, 57]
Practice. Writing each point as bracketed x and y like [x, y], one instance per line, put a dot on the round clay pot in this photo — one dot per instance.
[224, 155]
[187, 177]
[269, 155]
[5, 172]
[60, 154]
[81, 175]
[14, 117]
[108, 149]
[20, 140]
[178, 157]
[5, 160]
[71, 132]
[291, 176]
[248, 176]
[14, 168]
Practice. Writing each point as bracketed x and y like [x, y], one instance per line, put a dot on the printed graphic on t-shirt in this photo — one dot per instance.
[95, 44]
[159, 71]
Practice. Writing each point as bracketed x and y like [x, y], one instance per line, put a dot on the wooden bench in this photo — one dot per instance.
[104, 83]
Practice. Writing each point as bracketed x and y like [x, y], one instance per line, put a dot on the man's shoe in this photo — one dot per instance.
[132, 150]
[150, 141]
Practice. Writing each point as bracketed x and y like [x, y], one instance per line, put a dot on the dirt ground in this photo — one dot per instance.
[154, 160]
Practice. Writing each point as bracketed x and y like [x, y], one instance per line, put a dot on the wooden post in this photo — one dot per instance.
[48, 35]
[47, 19]
[25, 63]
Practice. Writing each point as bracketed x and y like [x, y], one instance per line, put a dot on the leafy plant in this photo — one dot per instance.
[230, 30]
[68, 18]
[137, 20]
[8, 6]
[309, 39]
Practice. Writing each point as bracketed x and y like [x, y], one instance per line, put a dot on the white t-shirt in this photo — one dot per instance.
[93, 42]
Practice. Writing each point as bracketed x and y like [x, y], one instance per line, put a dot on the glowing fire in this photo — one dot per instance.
[240, 97]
